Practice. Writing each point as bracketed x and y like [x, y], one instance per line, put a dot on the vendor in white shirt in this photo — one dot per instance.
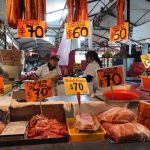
[94, 63]
[51, 71]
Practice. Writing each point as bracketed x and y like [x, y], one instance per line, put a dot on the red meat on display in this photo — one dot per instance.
[116, 115]
[40, 127]
[126, 131]
[84, 121]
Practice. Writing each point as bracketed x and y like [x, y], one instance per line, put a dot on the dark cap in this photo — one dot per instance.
[54, 57]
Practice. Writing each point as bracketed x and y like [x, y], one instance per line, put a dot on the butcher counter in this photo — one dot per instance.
[103, 145]
[88, 102]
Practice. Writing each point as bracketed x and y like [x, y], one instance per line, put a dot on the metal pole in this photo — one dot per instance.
[5, 39]
[128, 19]
[128, 13]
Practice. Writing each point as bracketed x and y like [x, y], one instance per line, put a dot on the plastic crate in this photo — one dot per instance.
[76, 136]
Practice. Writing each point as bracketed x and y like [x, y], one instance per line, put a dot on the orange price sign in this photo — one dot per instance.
[77, 29]
[31, 28]
[110, 76]
[120, 32]
[35, 90]
[1, 85]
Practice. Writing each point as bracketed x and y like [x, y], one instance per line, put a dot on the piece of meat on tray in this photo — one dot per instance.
[131, 131]
[116, 115]
[40, 127]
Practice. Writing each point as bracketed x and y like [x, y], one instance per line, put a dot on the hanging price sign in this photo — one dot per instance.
[146, 60]
[38, 90]
[120, 32]
[1, 85]
[110, 76]
[77, 29]
[75, 85]
[31, 28]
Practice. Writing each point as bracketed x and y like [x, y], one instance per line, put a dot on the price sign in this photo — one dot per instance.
[75, 85]
[120, 32]
[1, 85]
[31, 28]
[76, 66]
[146, 60]
[77, 29]
[38, 90]
[110, 76]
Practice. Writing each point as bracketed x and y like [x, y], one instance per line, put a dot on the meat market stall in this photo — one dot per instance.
[116, 116]
[22, 111]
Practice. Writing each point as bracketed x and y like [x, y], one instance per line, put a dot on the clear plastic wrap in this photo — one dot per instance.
[132, 131]
[116, 115]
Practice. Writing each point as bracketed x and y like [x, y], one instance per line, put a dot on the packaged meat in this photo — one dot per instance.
[40, 127]
[77, 10]
[70, 10]
[144, 113]
[131, 131]
[25, 9]
[120, 9]
[116, 115]
[84, 121]
[35, 10]
[14, 10]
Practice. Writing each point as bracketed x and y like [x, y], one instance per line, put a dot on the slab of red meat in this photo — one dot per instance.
[40, 127]
[144, 113]
[126, 131]
[116, 115]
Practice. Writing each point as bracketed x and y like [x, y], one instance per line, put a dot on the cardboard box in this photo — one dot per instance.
[11, 57]
[54, 111]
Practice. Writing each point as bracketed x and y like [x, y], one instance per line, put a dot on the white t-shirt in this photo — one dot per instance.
[91, 70]
[43, 73]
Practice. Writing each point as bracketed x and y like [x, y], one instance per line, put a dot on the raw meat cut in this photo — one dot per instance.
[77, 10]
[40, 127]
[84, 121]
[116, 115]
[127, 131]
[25, 9]
[144, 113]
[14, 10]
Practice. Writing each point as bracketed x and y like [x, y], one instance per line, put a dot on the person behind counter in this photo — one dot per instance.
[137, 68]
[50, 70]
[94, 63]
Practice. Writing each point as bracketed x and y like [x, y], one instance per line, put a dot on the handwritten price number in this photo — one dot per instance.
[76, 86]
[42, 91]
[78, 31]
[39, 33]
[108, 79]
[120, 34]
